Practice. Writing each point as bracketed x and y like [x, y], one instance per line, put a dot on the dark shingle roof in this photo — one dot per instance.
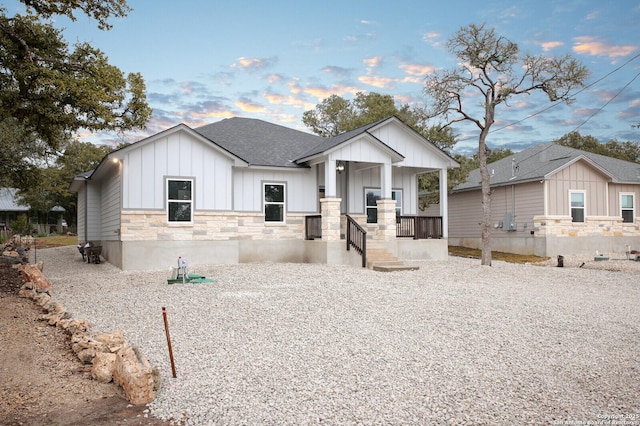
[260, 143]
[540, 161]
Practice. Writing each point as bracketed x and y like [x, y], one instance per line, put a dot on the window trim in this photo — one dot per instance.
[191, 201]
[283, 203]
[633, 206]
[584, 205]
[393, 191]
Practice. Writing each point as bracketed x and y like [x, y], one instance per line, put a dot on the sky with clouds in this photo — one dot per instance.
[204, 61]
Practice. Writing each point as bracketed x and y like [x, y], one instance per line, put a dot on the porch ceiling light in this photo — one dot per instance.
[340, 166]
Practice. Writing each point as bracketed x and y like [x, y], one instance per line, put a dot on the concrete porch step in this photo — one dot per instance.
[393, 266]
[381, 260]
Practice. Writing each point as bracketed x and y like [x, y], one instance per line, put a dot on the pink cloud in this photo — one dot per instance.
[417, 70]
[381, 82]
[373, 62]
[253, 63]
[322, 92]
[548, 45]
[591, 46]
[247, 106]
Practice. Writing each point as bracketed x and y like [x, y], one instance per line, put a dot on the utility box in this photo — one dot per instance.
[509, 222]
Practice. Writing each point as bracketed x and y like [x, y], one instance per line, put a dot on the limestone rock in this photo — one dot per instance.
[72, 326]
[32, 274]
[139, 380]
[42, 299]
[103, 366]
[54, 318]
[86, 355]
[86, 344]
[27, 293]
[113, 340]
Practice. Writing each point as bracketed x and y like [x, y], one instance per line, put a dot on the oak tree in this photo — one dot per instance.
[628, 151]
[492, 71]
[49, 89]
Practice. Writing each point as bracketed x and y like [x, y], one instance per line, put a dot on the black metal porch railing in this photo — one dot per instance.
[357, 238]
[419, 227]
[313, 227]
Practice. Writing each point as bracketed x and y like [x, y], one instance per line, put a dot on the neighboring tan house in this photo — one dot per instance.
[11, 209]
[244, 190]
[552, 200]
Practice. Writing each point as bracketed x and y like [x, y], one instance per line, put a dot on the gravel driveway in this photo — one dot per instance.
[451, 343]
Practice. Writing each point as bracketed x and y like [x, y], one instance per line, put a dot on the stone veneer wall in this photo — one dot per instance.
[605, 226]
[209, 226]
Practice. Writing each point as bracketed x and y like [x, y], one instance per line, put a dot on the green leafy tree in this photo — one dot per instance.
[628, 151]
[336, 115]
[492, 71]
[42, 197]
[21, 155]
[49, 90]
[51, 188]
[430, 182]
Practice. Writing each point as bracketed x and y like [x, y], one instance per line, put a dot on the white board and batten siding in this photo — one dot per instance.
[404, 179]
[361, 149]
[111, 206]
[177, 155]
[301, 189]
[416, 152]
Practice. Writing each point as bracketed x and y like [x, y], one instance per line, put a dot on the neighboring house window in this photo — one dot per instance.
[274, 204]
[627, 208]
[577, 199]
[372, 195]
[180, 200]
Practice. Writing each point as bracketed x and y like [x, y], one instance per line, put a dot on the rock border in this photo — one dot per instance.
[111, 357]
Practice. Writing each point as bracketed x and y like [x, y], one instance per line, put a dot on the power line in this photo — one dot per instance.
[556, 103]
[607, 103]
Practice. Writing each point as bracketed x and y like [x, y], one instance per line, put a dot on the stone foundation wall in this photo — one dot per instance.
[605, 226]
[208, 226]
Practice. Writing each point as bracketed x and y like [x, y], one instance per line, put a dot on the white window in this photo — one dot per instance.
[372, 195]
[627, 210]
[180, 200]
[274, 202]
[577, 201]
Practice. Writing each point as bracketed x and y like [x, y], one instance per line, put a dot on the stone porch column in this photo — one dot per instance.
[386, 220]
[330, 210]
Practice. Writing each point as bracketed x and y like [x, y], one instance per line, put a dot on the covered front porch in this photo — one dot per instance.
[366, 204]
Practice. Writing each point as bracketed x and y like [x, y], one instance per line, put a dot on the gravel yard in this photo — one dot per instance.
[451, 343]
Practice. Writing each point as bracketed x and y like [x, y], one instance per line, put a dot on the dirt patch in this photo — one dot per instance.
[41, 381]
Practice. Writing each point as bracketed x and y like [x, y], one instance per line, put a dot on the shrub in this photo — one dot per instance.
[21, 225]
